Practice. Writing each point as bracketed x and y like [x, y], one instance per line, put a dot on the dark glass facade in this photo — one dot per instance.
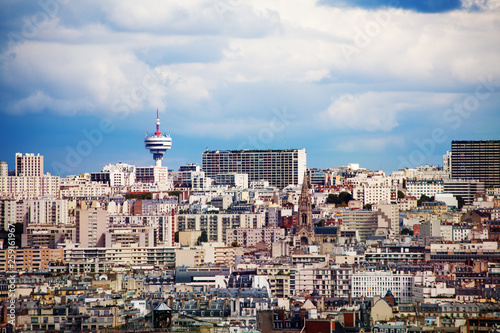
[476, 160]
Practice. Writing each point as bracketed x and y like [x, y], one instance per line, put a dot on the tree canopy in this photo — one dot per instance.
[424, 198]
[174, 193]
[339, 199]
[145, 196]
[407, 231]
[203, 238]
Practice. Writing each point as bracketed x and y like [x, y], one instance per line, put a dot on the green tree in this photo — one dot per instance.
[174, 193]
[368, 206]
[345, 197]
[332, 199]
[203, 238]
[176, 237]
[407, 231]
[144, 196]
[460, 201]
[341, 199]
[401, 194]
[235, 244]
[424, 198]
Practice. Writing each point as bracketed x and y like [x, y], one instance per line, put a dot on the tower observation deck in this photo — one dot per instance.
[158, 143]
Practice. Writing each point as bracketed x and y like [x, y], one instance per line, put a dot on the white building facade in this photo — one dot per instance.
[370, 284]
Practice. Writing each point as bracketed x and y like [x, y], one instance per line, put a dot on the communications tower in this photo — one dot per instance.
[158, 143]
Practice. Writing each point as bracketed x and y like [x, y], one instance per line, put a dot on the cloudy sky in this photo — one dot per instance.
[387, 84]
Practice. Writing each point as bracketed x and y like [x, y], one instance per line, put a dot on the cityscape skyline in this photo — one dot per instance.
[321, 166]
[363, 84]
[74, 156]
[11, 161]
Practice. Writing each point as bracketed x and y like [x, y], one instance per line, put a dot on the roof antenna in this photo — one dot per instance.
[157, 124]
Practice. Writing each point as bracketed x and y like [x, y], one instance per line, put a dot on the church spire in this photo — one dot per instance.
[305, 207]
[305, 187]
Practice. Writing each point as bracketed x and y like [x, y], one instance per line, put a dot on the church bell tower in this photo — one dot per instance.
[305, 226]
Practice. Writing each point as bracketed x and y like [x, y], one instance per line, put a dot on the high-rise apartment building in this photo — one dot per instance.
[20, 188]
[29, 259]
[91, 226]
[238, 180]
[151, 175]
[466, 188]
[280, 167]
[364, 221]
[120, 174]
[30, 165]
[430, 188]
[250, 237]
[186, 175]
[119, 255]
[447, 162]
[478, 160]
[388, 216]
[47, 211]
[48, 235]
[218, 226]
[11, 212]
[4, 169]
[370, 284]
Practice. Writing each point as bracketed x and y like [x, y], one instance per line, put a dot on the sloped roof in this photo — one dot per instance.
[308, 305]
[163, 307]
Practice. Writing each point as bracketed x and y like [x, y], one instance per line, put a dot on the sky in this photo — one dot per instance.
[386, 84]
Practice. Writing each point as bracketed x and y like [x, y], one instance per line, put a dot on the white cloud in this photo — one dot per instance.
[197, 17]
[488, 5]
[100, 75]
[378, 111]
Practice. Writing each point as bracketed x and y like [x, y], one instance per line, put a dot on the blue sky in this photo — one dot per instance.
[386, 84]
